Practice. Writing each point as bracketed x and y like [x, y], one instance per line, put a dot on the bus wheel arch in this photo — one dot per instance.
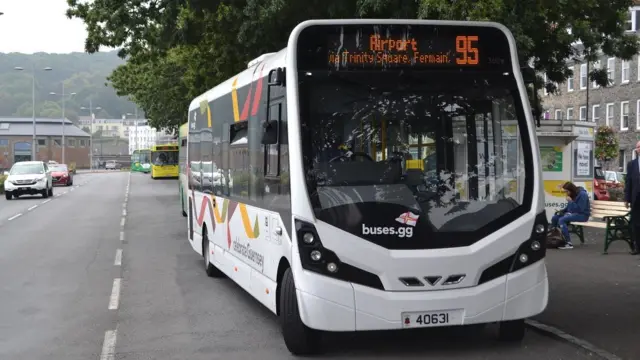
[298, 338]
[210, 269]
[283, 265]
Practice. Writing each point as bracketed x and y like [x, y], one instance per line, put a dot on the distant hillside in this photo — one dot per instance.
[84, 74]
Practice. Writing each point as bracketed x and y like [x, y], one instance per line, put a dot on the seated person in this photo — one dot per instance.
[578, 210]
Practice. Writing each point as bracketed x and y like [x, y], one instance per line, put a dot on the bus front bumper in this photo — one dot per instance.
[333, 305]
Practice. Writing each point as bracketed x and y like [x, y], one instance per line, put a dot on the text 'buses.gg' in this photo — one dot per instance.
[375, 174]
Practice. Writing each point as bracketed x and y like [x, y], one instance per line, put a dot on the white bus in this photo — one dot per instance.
[375, 174]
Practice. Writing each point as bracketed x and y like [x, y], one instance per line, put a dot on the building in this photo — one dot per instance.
[16, 136]
[110, 127]
[144, 137]
[617, 105]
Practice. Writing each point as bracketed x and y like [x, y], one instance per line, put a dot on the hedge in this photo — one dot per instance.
[2, 177]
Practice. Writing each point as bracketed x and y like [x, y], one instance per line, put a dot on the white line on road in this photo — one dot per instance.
[118, 260]
[124, 212]
[109, 345]
[15, 216]
[58, 195]
[115, 295]
[72, 189]
[33, 207]
[122, 222]
[46, 201]
[121, 235]
[572, 339]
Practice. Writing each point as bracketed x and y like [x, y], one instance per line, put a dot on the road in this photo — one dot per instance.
[106, 269]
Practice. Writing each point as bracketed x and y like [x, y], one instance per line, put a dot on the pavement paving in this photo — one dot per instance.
[596, 297]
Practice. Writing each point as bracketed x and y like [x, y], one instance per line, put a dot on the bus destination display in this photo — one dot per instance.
[420, 47]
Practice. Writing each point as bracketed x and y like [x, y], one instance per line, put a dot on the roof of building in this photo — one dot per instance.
[13, 126]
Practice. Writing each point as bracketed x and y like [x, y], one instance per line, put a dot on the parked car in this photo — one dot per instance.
[614, 179]
[112, 165]
[28, 178]
[600, 189]
[61, 175]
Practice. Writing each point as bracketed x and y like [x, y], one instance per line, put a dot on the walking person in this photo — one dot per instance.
[631, 197]
[578, 209]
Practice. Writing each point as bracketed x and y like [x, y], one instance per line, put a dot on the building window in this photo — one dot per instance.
[4, 126]
[622, 160]
[609, 114]
[569, 113]
[558, 115]
[611, 70]
[4, 142]
[544, 85]
[595, 113]
[583, 76]
[624, 115]
[42, 142]
[570, 80]
[583, 113]
[625, 71]
[596, 66]
[71, 142]
[58, 142]
[628, 21]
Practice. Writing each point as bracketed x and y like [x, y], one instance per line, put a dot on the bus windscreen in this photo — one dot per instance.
[418, 47]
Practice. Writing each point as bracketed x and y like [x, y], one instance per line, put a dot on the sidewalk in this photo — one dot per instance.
[596, 297]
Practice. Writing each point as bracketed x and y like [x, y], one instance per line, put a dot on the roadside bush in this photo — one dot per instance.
[2, 178]
[616, 194]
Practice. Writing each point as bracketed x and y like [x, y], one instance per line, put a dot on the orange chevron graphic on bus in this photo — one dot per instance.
[228, 209]
[237, 115]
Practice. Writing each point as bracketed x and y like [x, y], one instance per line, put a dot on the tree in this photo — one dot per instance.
[607, 146]
[209, 41]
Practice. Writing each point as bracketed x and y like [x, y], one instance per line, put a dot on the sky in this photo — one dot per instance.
[29, 26]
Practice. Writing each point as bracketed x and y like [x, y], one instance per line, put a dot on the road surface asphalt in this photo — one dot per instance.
[104, 267]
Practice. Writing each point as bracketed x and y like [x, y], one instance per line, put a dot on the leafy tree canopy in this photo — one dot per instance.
[177, 49]
[607, 145]
[81, 73]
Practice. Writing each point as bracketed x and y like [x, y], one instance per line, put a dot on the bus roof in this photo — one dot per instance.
[184, 129]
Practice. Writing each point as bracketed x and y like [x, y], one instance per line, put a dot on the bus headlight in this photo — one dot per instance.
[534, 249]
[318, 259]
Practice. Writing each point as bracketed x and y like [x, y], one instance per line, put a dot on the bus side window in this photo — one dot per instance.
[272, 148]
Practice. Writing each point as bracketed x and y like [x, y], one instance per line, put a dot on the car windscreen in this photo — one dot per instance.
[26, 169]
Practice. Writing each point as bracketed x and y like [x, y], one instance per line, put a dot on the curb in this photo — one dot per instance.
[551, 331]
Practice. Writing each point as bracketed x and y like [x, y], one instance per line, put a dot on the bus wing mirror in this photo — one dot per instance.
[270, 132]
[528, 75]
[277, 77]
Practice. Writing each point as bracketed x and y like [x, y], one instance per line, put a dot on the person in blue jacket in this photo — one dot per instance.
[578, 209]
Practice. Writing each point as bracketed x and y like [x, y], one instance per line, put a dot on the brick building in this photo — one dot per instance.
[617, 105]
[16, 136]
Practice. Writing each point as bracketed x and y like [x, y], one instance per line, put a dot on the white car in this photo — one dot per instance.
[28, 178]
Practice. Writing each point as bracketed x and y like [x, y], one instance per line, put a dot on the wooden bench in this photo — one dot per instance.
[611, 216]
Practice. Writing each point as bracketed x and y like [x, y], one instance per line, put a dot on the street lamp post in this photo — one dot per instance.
[90, 108]
[64, 120]
[34, 143]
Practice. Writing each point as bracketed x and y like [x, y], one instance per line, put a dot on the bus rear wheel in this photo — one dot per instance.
[299, 339]
[512, 330]
[209, 268]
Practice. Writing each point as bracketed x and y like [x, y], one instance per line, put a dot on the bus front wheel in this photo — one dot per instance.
[299, 339]
[512, 330]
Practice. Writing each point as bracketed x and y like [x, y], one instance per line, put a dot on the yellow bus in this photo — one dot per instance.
[164, 161]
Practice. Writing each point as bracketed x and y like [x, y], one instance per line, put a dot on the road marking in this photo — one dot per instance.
[115, 294]
[124, 212]
[121, 235]
[46, 201]
[58, 195]
[15, 216]
[118, 260]
[109, 345]
[123, 221]
[550, 330]
[33, 207]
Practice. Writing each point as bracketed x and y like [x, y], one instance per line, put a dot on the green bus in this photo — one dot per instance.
[141, 161]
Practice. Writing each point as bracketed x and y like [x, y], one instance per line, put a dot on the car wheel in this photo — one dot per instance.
[45, 193]
[7, 195]
[51, 191]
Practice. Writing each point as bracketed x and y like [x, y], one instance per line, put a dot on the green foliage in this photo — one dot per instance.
[83, 74]
[607, 146]
[2, 179]
[178, 49]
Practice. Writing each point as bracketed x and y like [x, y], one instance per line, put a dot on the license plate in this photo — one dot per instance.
[432, 318]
